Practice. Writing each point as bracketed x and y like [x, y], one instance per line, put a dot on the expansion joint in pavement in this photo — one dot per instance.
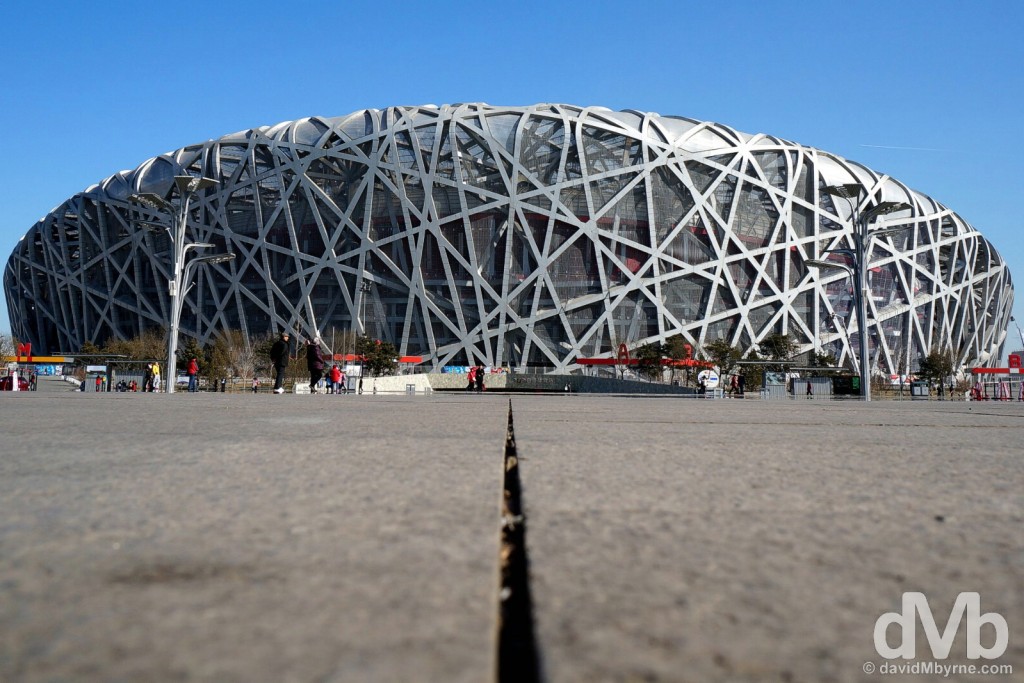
[518, 658]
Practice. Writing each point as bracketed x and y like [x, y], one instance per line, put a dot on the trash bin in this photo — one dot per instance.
[919, 390]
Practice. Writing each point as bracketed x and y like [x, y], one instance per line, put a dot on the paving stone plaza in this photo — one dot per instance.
[225, 537]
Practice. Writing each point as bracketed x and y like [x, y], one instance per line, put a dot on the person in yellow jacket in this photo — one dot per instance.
[156, 377]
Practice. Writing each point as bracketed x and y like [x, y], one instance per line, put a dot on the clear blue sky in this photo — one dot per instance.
[930, 92]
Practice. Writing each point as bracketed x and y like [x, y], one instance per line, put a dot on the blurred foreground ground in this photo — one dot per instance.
[220, 537]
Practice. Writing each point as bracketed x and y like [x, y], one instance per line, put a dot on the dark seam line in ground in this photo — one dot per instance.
[518, 656]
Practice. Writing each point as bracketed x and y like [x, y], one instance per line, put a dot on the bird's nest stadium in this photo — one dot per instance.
[529, 237]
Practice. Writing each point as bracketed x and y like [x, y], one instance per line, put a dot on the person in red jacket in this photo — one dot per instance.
[193, 375]
[336, 379]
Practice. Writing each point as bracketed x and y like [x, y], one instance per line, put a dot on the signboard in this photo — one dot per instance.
[844, 385]
[710, 378]
[623, 354]
[95, 368]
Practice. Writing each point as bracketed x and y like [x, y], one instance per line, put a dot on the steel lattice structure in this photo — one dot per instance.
[521, 236]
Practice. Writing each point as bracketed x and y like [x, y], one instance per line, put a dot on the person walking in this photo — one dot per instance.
[479, 378]
[255, 385]
[193, 375]
[279, 357]
[314, 363]
[99, 382]
[343, 382]
[156, 377]
[810, 392]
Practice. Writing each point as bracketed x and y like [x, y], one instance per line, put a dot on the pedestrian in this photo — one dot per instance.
[941, 397]
[255, 385]
[734, 385]
[743, 384]
[99, 382]
[223, 384]
[147, 378]
[193, 375]
[335, 385]
[344, 382]
[810, 392]
[314, 363]
[279, 357]
[702, 386]
[480, 378]
[156, 377]
[472, 379]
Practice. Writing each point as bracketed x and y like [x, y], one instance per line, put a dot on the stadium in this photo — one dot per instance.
[527, 237]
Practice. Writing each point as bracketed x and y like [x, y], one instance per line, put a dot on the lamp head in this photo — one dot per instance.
[187, 184]
[827, 265]
[883, 208]
[151, 201]
[846, 191]
[216, 258]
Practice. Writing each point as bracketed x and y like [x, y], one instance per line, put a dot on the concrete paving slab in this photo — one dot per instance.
[676, 540]
[215, 537]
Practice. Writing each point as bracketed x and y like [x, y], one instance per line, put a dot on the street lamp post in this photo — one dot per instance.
[832, 265]
[181, 271]
[1014, 321]
[860, 219]
[364, 289]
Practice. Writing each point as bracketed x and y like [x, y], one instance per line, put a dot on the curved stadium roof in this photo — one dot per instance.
[514, 235]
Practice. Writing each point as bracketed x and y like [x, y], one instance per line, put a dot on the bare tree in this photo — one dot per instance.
[151, 344]
[723, 355]
[7, 345]
[240, 354]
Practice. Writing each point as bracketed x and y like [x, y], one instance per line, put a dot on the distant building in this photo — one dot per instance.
[521, 236]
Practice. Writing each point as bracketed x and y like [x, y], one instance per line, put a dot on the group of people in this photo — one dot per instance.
[476, 378]
[737, 385]
[337, 380]
[151, 377]
[150, 382]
